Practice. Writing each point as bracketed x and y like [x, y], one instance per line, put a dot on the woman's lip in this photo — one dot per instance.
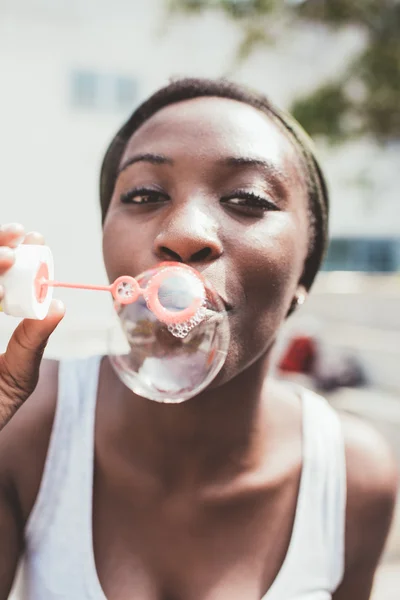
[210, 297]
[228, 306]
[226, 310]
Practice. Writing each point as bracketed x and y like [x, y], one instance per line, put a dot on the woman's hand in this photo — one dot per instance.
[19, 365]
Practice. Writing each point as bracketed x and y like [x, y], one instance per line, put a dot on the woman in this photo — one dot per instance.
[239, 492]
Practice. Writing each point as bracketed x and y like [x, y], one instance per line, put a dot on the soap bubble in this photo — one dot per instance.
[175, 334]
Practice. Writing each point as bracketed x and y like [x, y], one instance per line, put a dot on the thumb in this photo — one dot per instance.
[19, 366]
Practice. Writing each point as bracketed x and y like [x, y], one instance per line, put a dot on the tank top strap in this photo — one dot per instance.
[325, 449]
[315, 558]
[71, 446]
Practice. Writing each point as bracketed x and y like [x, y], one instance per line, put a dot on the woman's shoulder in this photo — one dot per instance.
[372, 484]
[25, 439]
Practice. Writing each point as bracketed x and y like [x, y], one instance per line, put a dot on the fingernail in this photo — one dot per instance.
[6, 253]
[17, 241]
[34, 237]
[56, 306]
[12, 228]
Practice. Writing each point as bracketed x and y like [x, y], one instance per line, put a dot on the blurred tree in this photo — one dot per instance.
[362, 99]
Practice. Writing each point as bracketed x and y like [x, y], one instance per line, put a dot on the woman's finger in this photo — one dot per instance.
[7, 258]
[19, 365]
[34, 237]
[11, 234]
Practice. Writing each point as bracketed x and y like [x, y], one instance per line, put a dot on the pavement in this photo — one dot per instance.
[387, 582]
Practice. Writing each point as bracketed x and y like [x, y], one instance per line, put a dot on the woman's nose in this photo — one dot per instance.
[188, 236]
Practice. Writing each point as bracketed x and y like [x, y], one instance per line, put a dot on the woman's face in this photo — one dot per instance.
[216, 184]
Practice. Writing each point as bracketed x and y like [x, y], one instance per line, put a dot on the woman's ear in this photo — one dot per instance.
[298, 299]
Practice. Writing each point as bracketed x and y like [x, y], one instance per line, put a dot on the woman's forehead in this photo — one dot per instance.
[213, 126]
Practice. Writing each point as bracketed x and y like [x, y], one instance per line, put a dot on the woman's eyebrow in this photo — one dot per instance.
[259, 163]
[278, 178]
[154, 159]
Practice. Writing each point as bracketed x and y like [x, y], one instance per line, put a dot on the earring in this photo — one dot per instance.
[297, 301]
[300, 299]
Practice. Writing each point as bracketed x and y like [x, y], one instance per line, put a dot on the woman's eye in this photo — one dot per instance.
[249, 202]
[143, 196]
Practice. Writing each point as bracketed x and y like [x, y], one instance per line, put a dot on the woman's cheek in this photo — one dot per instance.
[275, 258]
[118, 247]
[127, 246]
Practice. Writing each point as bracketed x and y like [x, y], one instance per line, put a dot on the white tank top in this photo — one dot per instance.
[59, 559]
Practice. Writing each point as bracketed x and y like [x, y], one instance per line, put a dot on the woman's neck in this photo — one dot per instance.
[217, 434]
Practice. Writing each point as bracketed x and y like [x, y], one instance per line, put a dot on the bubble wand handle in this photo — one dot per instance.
[75, 286]
[29, 286]
[127, 290]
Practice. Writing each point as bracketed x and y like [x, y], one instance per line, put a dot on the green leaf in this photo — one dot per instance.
[323, 112]
[330, 110]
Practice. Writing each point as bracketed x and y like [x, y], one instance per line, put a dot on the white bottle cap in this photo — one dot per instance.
[23, 295]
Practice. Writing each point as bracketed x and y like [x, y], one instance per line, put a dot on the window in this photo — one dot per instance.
[380, 256]
[368, 255]
[125, 92]
[102, 91]
[84, 89]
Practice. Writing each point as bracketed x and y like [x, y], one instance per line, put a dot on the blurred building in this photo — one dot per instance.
[72, 70]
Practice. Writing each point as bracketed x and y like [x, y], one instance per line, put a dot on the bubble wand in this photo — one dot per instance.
[176, 297]
[29, 287]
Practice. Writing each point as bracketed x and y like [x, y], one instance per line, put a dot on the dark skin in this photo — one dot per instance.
[187, 502]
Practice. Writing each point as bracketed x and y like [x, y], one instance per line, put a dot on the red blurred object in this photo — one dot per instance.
[300, 356]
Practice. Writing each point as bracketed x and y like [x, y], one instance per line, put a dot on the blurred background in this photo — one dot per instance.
[73, 70]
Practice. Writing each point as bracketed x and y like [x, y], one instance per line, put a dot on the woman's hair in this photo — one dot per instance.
[188, 88]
